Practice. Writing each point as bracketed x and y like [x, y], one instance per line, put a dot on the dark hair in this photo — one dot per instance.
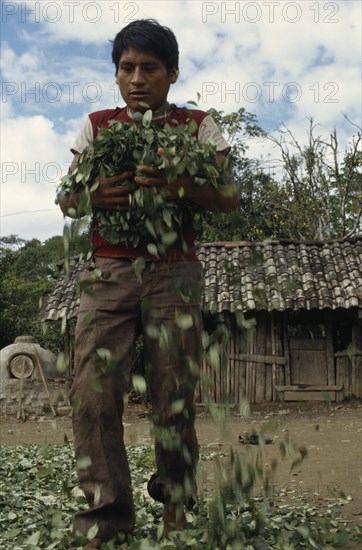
[147, 34]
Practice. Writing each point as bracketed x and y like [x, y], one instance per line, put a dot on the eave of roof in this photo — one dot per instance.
[244, 276]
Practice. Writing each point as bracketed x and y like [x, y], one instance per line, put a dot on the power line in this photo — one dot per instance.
[28, 212]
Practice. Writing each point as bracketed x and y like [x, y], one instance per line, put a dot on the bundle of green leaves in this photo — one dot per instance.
[124, 147]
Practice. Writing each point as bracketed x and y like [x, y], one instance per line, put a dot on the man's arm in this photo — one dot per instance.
[205, 196]
[108, 195]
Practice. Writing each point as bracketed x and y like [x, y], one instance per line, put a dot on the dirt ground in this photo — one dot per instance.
[332, 435]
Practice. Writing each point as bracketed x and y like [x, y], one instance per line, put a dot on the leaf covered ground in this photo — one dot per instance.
[37, 501]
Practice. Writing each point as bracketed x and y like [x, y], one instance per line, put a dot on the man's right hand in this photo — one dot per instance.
[112, 193]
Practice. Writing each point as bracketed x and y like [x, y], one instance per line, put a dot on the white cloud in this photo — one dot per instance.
[44, 84]
[34, 157]
[236, 54]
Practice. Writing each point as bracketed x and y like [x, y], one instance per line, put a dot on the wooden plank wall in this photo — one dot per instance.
[349, 364]
[357, 357]
[251, 367]
[252, 364]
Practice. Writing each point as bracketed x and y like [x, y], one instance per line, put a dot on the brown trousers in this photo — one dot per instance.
[164, 304]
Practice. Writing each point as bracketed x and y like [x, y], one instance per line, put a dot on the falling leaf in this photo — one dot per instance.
[184, 321]
[92, 532]
[84, 462]
[139, 384]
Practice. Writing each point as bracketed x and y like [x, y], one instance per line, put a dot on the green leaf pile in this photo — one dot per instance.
[37, 502]
[123, 147]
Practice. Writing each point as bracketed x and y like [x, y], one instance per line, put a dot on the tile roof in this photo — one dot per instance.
[282, 275]
[244, 276]
[63, 300]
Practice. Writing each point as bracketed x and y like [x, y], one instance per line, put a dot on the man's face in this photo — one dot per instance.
[143, 78]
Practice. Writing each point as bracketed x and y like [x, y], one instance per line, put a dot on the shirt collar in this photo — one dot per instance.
[157, 115]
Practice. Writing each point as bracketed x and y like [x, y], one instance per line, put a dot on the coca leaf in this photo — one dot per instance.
[123, 147]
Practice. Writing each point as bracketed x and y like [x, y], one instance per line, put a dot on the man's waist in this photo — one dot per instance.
[105, 249]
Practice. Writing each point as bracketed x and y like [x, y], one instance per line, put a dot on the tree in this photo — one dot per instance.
[324, 185]
[316, 195]
[260, 213]
[28, 271]
[244, 223]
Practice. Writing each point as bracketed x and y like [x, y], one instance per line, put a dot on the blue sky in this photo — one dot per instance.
[284, 61]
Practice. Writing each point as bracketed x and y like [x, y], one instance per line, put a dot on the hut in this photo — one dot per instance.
[284, 319]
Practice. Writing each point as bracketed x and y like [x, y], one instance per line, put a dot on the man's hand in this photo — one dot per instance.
[150, 176]
[154, 177]
[205, 196]
[112, 193]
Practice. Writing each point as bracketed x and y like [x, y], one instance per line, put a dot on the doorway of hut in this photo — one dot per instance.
[311, 342]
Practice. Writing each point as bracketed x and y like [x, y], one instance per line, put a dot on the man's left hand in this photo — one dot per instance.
[183, 187]
[151, 176]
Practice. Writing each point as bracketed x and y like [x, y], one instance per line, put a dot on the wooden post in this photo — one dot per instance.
[35, 358]
[357, 355]
[331, 373]
[21, 412]
[274, 352]
[287, 368]
[249, 374]
[342, 377]
[44, 382]
[68, 349]
[250, 371]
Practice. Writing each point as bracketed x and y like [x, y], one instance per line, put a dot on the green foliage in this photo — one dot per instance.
[315, 193]
[260, 214]
[20, 305]
[37, 504]
[125, 147]
[238, 127]
[323, 185]
[28, 271]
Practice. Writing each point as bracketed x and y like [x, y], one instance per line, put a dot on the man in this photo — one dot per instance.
[120, 304]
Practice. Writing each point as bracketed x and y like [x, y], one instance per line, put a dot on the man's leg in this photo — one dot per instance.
[172, 329]
[105, 338]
